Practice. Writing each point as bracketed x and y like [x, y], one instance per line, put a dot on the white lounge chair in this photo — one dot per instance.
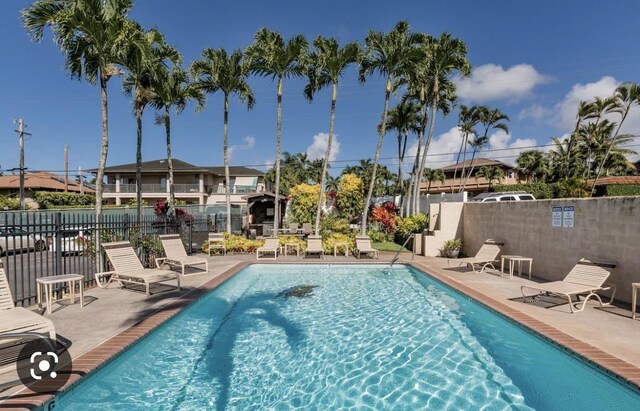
[585, 278]
[14, 322]
[363, 247]
[271, 246]
[314, 246]
[127, 268]
[307, 228]
[177, 255]
[486, 256]
[216, 242]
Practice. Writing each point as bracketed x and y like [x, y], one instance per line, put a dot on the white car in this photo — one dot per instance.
[17, 239]
[72, 240]
[503, 196]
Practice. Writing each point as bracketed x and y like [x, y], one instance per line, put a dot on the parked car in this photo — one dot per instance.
[72, 240]
[504, 196]
[17, 239]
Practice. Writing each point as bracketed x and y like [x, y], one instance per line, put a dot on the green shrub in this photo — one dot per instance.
[378, 234]
[410, 225]
[334, 224]
[329, 241]
[539, 190]
[49, 199]
[237, 244]
[9, 203]
[292, 239]
[350, 196]
[571, 188]
[304, 203]
[623, 190]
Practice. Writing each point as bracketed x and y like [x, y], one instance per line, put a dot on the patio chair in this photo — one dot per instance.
[216, 242]
[127, 268]
[307, 228]
[271, 246]
[486, 256]
[314, 246]
[176, 255]
[16, 323]
[363, 247]
[585, 278]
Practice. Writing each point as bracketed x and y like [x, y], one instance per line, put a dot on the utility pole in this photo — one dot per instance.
[81, 180]
[66, 168]
[21, 133]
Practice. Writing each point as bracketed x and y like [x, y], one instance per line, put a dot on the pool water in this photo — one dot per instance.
[361, 339]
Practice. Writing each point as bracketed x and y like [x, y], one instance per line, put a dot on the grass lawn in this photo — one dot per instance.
[389, 246]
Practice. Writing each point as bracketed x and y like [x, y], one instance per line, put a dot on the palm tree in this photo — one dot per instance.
[467, 122]
[144, 68]
[392, 55]
[270, 55]
[626, 96]
[218, 71]
[490, 119]
[533, 165]
[314, 171]
[491, 174]
[564, 159]
[433, 174]
[448, 55]
[92, 35]
[326, 64]
[173, 90]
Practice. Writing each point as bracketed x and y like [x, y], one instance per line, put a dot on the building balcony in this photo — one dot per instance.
[158, 188]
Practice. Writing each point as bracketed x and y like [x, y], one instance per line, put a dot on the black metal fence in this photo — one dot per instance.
[41, 244]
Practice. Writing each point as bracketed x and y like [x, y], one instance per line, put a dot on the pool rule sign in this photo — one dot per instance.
[556, 216]
[563, 216]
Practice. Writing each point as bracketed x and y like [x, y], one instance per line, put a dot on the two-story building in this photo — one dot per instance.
[475, 185]
[192, 184]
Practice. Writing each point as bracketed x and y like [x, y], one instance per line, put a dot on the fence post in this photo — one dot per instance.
[57, 237]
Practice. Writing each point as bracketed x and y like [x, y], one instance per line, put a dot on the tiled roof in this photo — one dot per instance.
[623, 180]
[236, 171]
[478, 162]
[40, 180]
[179, 166]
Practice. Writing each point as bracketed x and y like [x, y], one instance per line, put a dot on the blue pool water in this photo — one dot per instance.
[361, 340]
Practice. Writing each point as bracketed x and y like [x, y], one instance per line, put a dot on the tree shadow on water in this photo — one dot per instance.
[240, 316]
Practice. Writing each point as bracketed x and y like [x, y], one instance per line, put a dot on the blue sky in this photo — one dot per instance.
[533, 60]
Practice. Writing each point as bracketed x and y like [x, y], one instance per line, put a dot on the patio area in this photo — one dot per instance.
[606, 335]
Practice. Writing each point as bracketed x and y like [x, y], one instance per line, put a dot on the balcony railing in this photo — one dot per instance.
[181, 188]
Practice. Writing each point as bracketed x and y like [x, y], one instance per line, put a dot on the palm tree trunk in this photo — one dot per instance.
[606, 154]
[167, 127]
[464, 160]
[276, 215]
[416, 165]
[325, 163]
[464, 184]
[227, 177]
[400, 160]
[104, 149]
[372, 183]
[455, 170]
[426, 146]
[139, 109]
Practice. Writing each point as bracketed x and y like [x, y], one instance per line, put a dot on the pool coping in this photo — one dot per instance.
[95, 358]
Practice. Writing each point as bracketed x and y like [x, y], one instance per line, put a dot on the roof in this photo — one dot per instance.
[179, 166]
[41, 180]
[478, 162]
[621, 180]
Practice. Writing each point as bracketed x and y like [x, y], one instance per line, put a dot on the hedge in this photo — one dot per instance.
[623, 190]
[48, 199]
[9, 203]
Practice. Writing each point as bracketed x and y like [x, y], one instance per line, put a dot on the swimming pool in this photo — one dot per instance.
[361, 339]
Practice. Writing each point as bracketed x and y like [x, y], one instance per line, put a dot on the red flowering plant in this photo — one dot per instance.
[385, 215]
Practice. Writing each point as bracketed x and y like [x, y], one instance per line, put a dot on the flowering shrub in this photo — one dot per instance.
[385, 216]
[304, 202]
[350, 196]
[292, 239]
[410, 225]
[329, 241]
[237, 244]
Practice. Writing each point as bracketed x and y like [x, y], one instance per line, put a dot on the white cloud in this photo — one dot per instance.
[440, 150]
[318, 148]
[492, 82]
[567, 109]
[509, 150]
[269, 163]
[249, 143]
[535, 111]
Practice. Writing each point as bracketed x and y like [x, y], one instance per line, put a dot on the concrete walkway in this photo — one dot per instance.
[108, 312]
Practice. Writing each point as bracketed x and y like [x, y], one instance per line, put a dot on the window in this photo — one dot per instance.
[163, 181]
[527, 197]
[507, 198]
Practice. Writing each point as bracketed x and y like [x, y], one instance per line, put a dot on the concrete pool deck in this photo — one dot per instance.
[113, 319]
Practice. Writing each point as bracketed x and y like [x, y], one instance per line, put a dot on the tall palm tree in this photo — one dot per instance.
[448, 56]
[173, 89]
[533, 165]
[491, 174]
[91, 35]
[218, 71]
[489, 119]
[467, 122]
[625, 97]
[392, 55]
[270, 55]
[144, 67]
[433, 174]
[326, 64]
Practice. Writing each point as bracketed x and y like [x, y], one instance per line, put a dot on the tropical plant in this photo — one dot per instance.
[384, 180]
[532, 165]
[218, 71]
[9, 203]
[392, 55]
[144, 68]
[451, 248]
[412, 224]
[332, 239]
[433, 174]
[326, 64]
[490, 174]
[467, 122]
[91, 35]
[386, 215]
[270, 55]
[571, 188]
[303, 202]
[350, 196]
[173, 89]
[404, 119]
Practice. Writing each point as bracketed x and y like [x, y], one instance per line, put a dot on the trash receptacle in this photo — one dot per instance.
[253, 233]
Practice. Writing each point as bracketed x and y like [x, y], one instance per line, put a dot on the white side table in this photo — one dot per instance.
[295, 246]
[48, 282]
[346, 249]
[512, 260]
[634, 298]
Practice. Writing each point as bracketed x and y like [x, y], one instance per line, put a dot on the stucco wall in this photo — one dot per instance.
[607, 228]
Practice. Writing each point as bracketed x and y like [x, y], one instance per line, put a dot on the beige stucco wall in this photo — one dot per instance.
[445, 223]
[607, 228]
